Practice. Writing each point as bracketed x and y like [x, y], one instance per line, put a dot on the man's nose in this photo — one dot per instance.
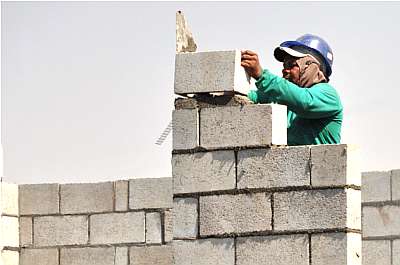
[285, 71]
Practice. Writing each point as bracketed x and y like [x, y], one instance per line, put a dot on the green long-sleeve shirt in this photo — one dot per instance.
[314, 115]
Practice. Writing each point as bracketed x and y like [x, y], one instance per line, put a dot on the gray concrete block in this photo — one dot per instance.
[9, 257]
[213, 251]
[9, 231]
[381, 221]
[213, 71]
[205, 171]
[272, 250]
[395, 184]
[150, 255]
[114, 228]
[376, 252]
[225, 214]
[60, 230]
[87, 256]
[121, 256]
[336, 164]
[185, 133]
[375, 186]
[31, 194]
[336, 249]
[396, 252]
[39, 256]
[168, 226]
[317, 209]
[153, 228]
[274, 167]
[86, 197]
[185, 218]
[9, 199]
[121, 195]
[150, 193]
[25, 231]
[236, 127]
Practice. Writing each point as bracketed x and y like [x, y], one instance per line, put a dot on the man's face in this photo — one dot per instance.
[291, 70]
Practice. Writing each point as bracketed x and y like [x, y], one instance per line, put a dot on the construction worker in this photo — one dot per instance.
[315, 111]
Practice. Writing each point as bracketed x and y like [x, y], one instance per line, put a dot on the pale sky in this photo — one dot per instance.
[87, 87]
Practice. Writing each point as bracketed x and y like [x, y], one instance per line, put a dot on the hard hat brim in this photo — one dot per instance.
[281, 52]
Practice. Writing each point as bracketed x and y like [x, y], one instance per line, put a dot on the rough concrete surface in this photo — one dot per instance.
[205, 171]
[336, 164]
[235, 127]
[272, 250]
[9, 257]
[396, 252]
[9, 198]
[273, 167]
[25, 231]
[375, 186]
[376, 252]
[38, 199]
[215, 71]
[60, 230]
[9, 231]
[336, 249]
[117, 228]
[150, 193]
[204, 252]
[185, 218]
[121, 195]
[168, 226]
[87, 256]
[185, 133]
[153, 228]
[396, 184]
[381, 220]
[39, 256]
[151, 255]
[121, 256]
[225, 214]
[86, 197]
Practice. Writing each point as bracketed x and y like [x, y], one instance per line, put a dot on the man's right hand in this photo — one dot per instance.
[251, 64]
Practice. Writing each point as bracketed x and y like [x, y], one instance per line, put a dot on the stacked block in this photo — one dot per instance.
[96, 223]
[381, 217]
[241, 196]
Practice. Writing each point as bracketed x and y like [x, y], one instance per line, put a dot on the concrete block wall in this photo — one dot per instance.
[381, 217]
[109, 223]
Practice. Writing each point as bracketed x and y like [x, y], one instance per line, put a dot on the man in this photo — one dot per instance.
[315, 112]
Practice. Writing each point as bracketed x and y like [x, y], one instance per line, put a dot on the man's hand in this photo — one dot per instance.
[251, 64]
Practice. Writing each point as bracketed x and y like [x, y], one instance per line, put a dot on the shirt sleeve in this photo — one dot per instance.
[319, 101]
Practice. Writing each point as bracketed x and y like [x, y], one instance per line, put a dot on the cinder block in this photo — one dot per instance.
[25, 231]
[116, 228]
[395, 184]
[376, 252]
[150, 193]
[336, 249]
[121, 256]
[185, 133]
[153, 228]
[31, 194]
[333, 165]
[396, 252]
[235, 126]
[87, 256]
[86, 197]
[168, 226]
[9, 257]
[9, 231]
[185, 218]
[214, 251]
[205, 171]
[272, 250]
[317, 209]
[60, 230]
[375, 186]
[214, 71]
[225, 214]
[9, 199]
[274, 167]
[121, 195]
[150, 255]
[39, 256]
[381, 221]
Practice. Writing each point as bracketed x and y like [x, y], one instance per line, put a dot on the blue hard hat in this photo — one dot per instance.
[308, 44]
